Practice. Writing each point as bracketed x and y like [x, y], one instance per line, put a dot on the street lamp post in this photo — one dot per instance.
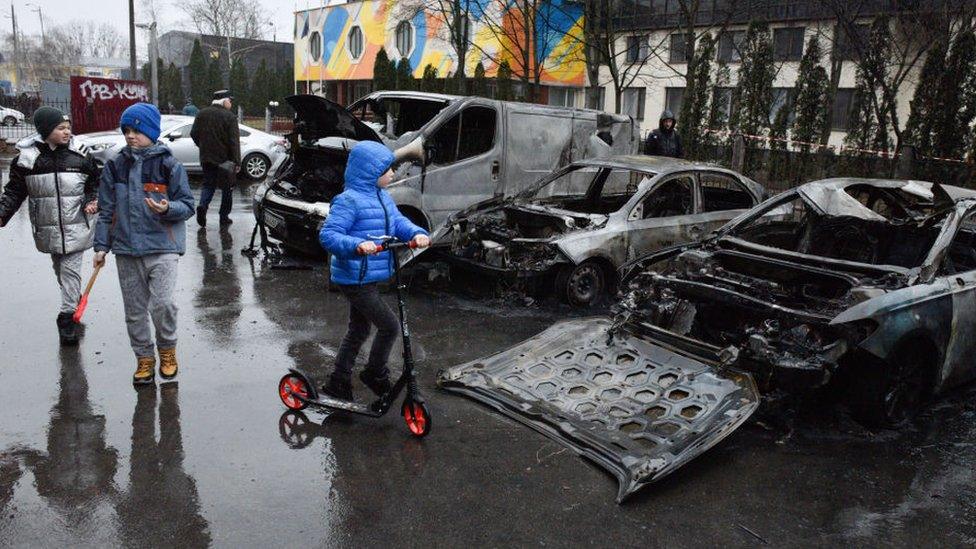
[154, 60]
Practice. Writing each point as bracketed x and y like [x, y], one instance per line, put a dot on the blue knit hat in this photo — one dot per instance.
[143, 118]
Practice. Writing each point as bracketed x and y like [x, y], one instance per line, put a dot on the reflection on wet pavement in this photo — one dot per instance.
[85, 460]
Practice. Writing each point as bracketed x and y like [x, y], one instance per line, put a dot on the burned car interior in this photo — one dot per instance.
[392, 117]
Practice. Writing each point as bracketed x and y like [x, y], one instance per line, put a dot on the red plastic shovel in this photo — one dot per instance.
[83, 302]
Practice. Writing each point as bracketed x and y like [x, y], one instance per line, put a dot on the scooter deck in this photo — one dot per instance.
[336, 404]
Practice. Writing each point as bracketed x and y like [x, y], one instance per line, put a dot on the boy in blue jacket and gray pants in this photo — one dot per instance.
[365, 209]
[144, 199]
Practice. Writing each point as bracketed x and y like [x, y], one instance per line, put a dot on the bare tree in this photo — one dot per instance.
[454, 19]
[231, 18]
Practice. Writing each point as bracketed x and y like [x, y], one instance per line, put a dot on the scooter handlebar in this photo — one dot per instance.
[393, 246]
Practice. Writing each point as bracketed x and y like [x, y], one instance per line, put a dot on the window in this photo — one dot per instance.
[673, 97]
[562, 97]
[596, 98]
[632, 103]
[362, 89]
[730, 46]
[723, 101]
[842, 109]
[782, 99]
[788, 43]
[672, 197]
[722, 192]
[183, 130]
[962, 252]
[849, 41]
[242, 132]
[476, 124]
[679, 51]
[355, 42]
[637, 49]
[315, 46]
[404, 38]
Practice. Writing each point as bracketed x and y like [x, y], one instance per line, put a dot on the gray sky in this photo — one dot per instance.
[115, 12]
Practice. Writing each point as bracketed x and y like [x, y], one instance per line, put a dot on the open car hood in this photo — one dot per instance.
[318, 117]
[634, 405]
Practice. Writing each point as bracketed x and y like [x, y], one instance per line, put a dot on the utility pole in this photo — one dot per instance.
[18, 62]
[153, 61]
[132, 40]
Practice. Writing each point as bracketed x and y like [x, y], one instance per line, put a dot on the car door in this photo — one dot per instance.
[184, 149]
[663, 215]
[959, 274]
[463, 161]
[721, 197]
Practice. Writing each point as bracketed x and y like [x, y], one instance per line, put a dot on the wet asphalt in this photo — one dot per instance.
[212, 459]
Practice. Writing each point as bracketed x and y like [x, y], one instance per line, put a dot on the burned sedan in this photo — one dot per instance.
[573, 229]
[864, 287]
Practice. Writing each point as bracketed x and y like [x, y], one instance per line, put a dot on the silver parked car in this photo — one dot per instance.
[260, 152]
[577, 226]
[11, 117]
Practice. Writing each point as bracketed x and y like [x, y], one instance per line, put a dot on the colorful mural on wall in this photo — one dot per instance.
[326, 40]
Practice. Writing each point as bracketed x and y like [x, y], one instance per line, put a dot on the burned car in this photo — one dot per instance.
[451, 152]
[573, 229]
[866, 287]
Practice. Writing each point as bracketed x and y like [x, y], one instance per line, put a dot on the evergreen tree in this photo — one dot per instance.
[384, 72]
[404, 76]
[262, 89]
[924, 110]
[953, 119]
[197, 73]
[503, 82]
[720, 104]
[479, 84]
[214, 81]
[755, 89]
[238, 84]
[695, 106]
[812, 90]
[871, 129]
[174, 82]
[429, 82]
[778, 150]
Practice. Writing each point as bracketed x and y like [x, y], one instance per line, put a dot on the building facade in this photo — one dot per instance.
[336, 45]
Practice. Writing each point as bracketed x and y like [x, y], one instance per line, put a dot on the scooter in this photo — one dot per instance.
[297, 392]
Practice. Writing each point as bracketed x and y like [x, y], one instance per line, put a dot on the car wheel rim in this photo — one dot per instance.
[584, 283]
[256, 167]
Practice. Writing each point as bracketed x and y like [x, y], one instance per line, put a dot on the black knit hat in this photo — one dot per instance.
[46, 119]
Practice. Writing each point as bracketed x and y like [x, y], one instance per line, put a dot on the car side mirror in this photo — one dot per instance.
[174, 136]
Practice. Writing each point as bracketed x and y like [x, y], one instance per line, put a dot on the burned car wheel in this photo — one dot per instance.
[582, 285]
[888, 394]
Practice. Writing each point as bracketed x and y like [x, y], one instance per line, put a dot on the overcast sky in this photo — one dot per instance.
[115, 12]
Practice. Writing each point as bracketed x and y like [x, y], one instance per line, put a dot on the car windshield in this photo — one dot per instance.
[395, 116]
[170, 123]
[590, 189]
[885, 233]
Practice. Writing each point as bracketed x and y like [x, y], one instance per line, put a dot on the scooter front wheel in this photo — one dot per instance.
[290, 388]
[417, 417]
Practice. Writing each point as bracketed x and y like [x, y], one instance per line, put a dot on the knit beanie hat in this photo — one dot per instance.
[46, 119]
[143, 118]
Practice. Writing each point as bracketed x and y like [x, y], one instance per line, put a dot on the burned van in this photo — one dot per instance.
[451, 151]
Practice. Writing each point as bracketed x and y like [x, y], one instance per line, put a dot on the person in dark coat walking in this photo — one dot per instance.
[664, 141]
[190, 109]
[216, 133]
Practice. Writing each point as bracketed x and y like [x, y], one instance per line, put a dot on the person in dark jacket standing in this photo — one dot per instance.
[59, 179]
[190, 109]
[664, 141]
[216, 133]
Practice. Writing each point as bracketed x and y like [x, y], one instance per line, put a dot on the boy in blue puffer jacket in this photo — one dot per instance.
[363, 210]
[144, 200]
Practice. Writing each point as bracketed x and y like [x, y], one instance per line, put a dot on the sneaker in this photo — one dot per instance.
[67, 329]
[145, 371]
[168, 368]
[338, 388]
[379, 384]
[224, 221]
[201, 217]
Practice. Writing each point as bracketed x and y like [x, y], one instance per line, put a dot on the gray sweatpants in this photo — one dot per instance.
[68, 270]
[148, 284]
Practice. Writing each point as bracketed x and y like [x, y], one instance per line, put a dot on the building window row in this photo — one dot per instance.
[788, 44]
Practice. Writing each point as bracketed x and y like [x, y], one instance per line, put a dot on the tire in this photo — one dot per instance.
[255, 166]
[417, 417]
[889, 394]
[582, 285]
[290, 385]
[9, 121]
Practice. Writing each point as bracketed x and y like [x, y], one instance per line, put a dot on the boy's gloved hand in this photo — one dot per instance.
[421, 241]
[99, 260]
[366, 247]
[160, 207]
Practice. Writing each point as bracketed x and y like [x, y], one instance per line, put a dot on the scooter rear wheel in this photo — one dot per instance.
[290, 386]
[417, 417]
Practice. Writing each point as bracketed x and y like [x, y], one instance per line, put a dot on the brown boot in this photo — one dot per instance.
[145, 371]
[168, 368]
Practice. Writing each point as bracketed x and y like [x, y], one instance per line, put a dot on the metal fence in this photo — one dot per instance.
[12, 129]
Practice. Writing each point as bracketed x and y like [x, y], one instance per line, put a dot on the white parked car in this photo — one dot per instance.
[11, 117]
[260, 152]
